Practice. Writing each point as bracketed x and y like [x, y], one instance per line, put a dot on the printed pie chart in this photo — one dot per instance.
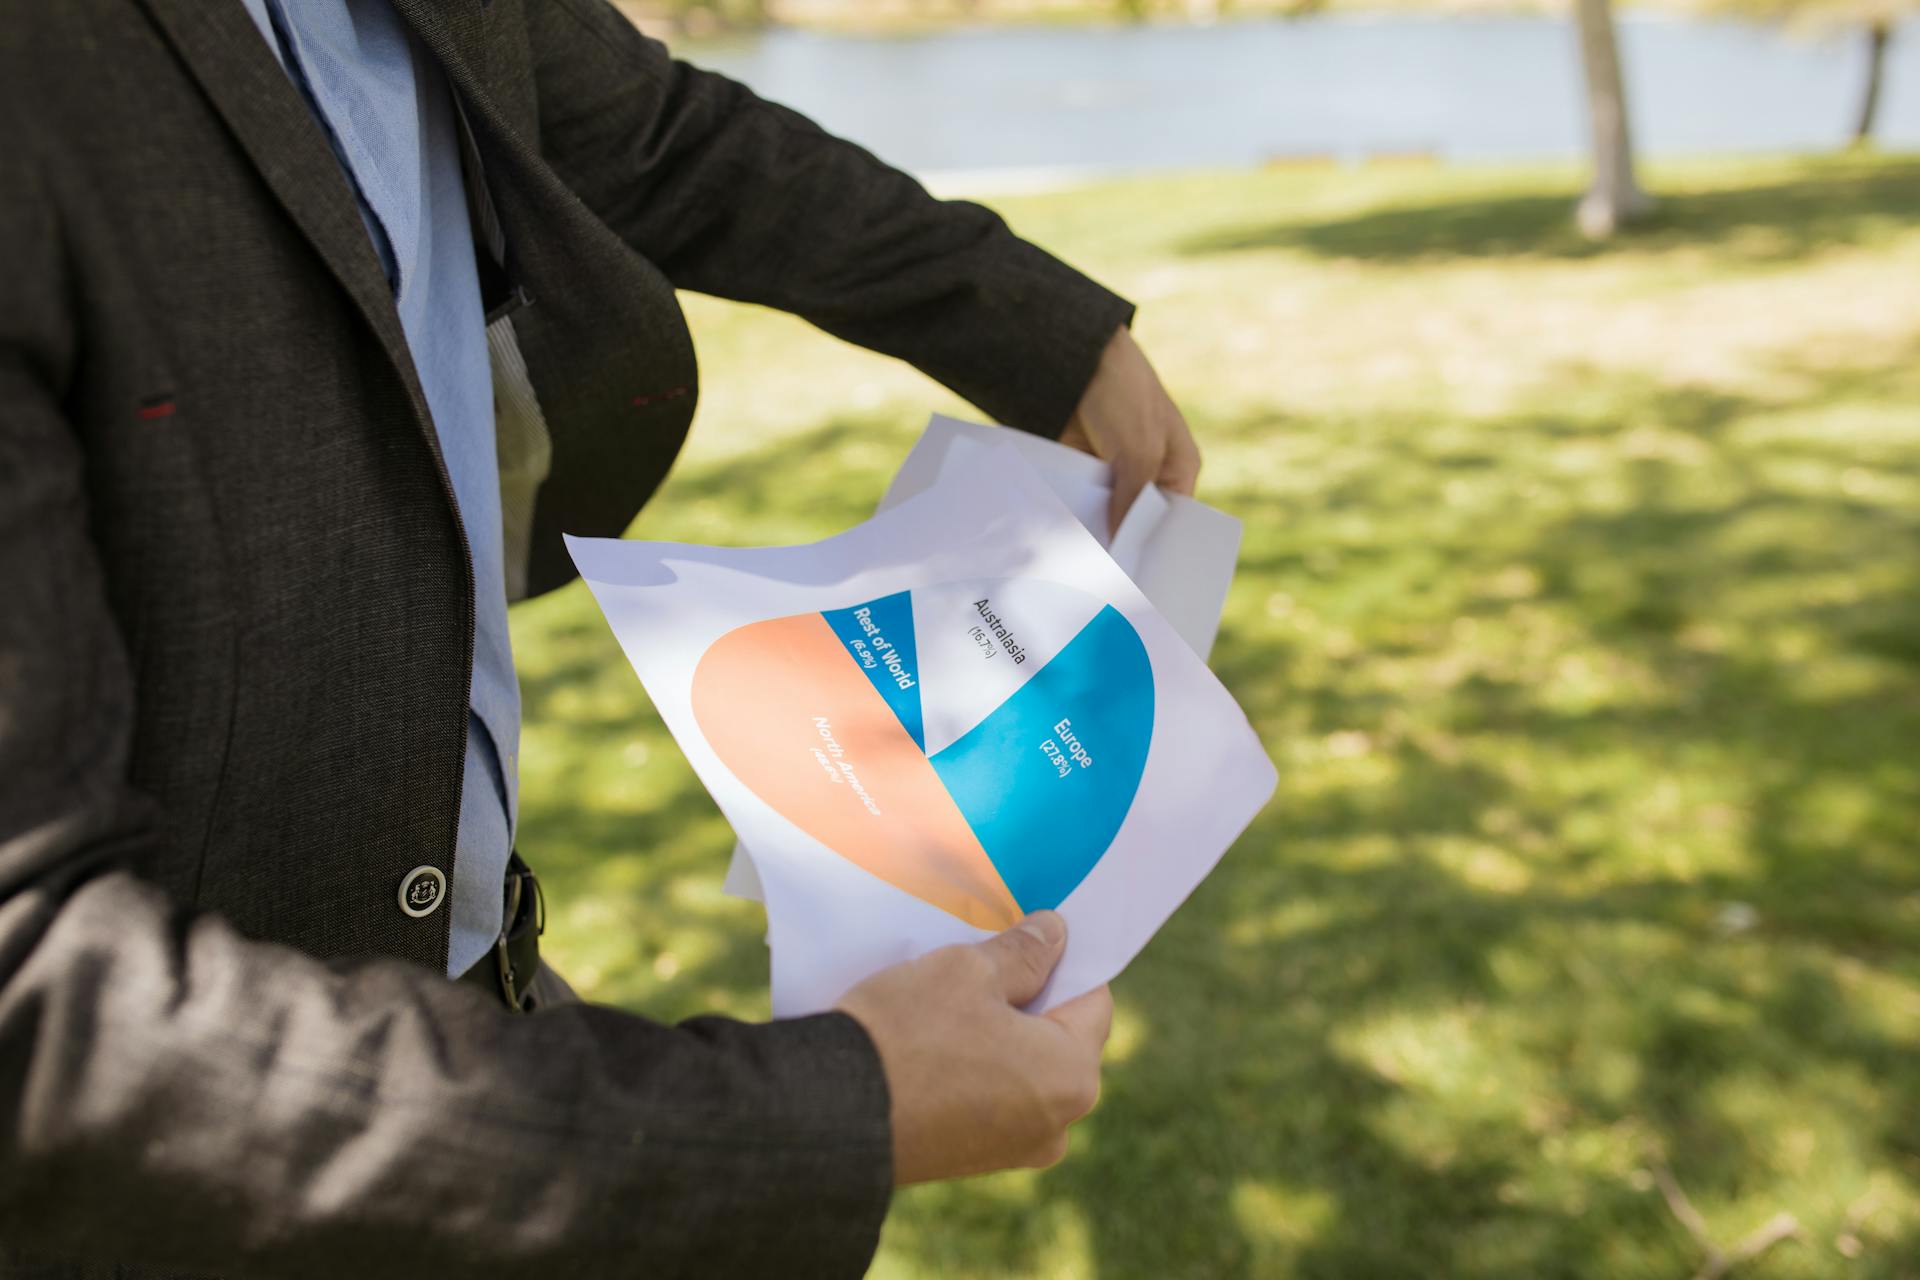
[977, 745]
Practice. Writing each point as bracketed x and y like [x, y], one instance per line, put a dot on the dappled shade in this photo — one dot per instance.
[1825, 204]
[1594, 685]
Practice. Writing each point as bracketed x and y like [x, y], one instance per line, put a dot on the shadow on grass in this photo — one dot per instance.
[1834, 204]
[1500, 935]
[1707, 1042]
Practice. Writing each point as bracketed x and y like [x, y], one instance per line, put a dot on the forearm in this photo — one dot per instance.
[735, 196]
[182, 1096]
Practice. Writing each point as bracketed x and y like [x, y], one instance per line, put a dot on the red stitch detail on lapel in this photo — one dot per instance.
[673, 393]
[154, 409]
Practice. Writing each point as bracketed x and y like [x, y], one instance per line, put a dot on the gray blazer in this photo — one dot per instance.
[235, 618]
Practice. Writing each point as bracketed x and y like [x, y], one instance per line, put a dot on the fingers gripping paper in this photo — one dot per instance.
[949, 716]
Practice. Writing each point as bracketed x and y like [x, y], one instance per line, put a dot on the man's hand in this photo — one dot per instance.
[1127, 418]
[978, 1085]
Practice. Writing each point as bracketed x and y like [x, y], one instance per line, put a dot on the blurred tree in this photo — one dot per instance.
[1879, 33]
[1615, 198]
[1876, 19]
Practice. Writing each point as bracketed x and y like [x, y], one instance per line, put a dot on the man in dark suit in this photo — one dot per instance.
[321, 320]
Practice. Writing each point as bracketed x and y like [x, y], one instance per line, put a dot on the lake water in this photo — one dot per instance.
[1046, 100]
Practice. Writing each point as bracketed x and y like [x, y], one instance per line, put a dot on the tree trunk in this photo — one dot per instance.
[1615, 198]
[1878, 34]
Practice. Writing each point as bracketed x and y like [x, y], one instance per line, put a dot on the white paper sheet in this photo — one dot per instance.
[1179, 552]
[954, 713]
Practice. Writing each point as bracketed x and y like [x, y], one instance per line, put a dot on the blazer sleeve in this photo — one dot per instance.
[174, 1094]
[735, 196]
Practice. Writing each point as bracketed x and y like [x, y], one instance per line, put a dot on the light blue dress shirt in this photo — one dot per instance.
[387, 108]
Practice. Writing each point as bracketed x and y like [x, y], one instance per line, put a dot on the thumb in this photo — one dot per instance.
[1024, 955]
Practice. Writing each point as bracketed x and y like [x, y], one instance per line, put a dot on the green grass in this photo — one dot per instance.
[1580, 608]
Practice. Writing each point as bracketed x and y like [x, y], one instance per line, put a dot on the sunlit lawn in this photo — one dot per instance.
[1580, 608]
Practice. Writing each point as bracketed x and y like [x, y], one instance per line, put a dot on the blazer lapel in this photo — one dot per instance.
[222, 48]
[455, 30]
